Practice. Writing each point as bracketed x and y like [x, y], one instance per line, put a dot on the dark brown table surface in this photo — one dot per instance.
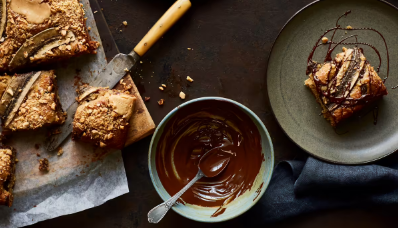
[231, 40]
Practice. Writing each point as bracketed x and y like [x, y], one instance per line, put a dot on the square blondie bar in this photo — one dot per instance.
[37, 31]
[102, 117]
[31, 101]
[345, 85]
[7, 175]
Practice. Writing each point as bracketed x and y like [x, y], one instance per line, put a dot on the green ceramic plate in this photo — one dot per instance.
[294, 105]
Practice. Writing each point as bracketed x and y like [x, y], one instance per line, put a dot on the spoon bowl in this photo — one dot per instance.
[214, 161]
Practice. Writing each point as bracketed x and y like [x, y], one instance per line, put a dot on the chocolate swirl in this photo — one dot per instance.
[200, 127]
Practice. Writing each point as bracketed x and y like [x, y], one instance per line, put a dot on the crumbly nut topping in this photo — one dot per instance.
[7, 179]
[5, 165]
[66, 15]
[44, 165]
[102, 114]
[40, 106]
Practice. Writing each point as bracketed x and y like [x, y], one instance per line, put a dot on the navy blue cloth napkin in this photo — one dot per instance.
[299, 187]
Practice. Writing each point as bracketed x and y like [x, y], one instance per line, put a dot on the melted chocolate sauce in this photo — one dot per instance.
[198, 128]
[343, 98]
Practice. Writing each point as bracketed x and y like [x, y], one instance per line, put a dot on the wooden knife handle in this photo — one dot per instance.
[169, 18]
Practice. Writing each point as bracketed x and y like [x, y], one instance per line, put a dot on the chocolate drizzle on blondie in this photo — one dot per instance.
[348, 82]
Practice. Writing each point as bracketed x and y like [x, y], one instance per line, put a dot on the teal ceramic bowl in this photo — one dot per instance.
[243, 202]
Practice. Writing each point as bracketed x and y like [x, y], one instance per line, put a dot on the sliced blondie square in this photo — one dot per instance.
[102, 117]
[7, 175]
[36, 31]
[31, 101]
[345, 85]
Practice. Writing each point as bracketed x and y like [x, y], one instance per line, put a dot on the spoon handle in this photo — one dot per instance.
[157, 213]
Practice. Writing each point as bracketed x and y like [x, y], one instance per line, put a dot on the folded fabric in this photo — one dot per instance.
[299, 187]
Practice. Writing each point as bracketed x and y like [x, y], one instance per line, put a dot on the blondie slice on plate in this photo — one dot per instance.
[31, 101]
[7, 175]
[36, 31]
[102, 117]
[345, 85]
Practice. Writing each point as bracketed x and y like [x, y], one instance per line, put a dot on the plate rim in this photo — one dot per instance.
[268, 92]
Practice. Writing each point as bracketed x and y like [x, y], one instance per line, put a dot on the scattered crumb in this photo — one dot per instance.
[189, 79]
[60, 151]
[37, 154]
[120, 30]
[16, 160]
[102, 9]
[190, 49]
[44, 164]
[163, 85]
[344, 49]
[95, 11]
[345, 32]
[126, 70]
[161, 88]
[125, 23]
[182, 95]
[324, 40]
[141, 62]
[103, 144]
[37, 146]
[89, 28]
[349, 27]
[161, 102]
[146, 98]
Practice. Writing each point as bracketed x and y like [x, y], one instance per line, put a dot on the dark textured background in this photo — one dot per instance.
[231, 41]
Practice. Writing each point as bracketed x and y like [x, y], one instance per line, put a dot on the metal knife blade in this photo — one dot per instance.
[109, 77]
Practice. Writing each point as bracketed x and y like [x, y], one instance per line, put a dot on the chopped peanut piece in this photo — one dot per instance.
[161, 88]
[182, 95]
[163, 85]
[60, 151]
[161, 102]
[125, 23]
[349, 27]
[146, 98]
[324, 40]
[189, 79]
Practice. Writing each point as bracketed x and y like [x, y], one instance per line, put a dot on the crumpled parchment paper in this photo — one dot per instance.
[82, 177]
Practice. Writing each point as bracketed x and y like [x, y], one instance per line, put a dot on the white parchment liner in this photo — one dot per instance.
[83, 177]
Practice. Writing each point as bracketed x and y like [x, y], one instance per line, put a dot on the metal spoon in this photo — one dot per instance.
[211, 164]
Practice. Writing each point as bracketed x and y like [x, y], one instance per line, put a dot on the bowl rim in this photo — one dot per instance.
[271, 168]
